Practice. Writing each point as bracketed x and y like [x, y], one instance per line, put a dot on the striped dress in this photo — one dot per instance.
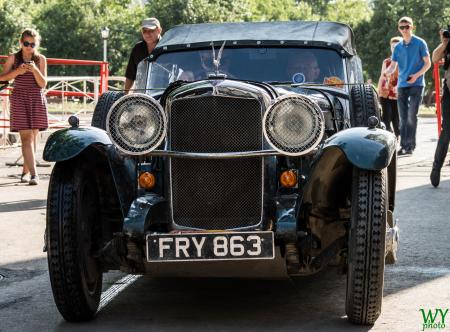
[28, 103]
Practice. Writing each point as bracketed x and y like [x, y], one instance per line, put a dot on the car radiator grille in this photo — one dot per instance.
[216, 193]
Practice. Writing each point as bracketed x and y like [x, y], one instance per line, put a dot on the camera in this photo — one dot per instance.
[446, 33]
[3, 84]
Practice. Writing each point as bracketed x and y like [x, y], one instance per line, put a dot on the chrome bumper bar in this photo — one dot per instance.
[221, 155]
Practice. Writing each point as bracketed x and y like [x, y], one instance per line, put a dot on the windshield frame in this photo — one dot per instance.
[342, 59]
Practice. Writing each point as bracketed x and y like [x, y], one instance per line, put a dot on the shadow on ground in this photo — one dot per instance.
[310, 303]
[24, 205]
[228, 304]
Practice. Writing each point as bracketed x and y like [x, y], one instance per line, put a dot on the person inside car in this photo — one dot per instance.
[304, 69]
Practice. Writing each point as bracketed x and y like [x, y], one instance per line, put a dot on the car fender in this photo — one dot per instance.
[365, 148]
[329, 180]
[67, 143]
[92, 146]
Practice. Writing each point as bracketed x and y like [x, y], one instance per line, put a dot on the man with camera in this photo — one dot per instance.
[442, 52]
[413, 60]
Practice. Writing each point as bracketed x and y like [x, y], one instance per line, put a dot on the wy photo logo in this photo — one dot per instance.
[433, 320]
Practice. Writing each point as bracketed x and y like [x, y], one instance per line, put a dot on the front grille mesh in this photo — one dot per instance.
[214, 193]
[216, 124]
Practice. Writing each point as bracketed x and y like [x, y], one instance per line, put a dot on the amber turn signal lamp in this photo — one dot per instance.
[288, 179]
[147, 180]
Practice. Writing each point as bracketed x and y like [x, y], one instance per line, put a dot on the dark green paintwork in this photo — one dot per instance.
[134, 223]
[370, 149]
[67, 143]
[123, 170]
[286, 217]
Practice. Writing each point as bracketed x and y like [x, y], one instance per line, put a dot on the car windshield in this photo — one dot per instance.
[296, 65]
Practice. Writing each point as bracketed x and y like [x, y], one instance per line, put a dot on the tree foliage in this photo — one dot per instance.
[174, 12]
[372, 36]
[13, 20]
[281, 10]
[352, 12]
[71, 29]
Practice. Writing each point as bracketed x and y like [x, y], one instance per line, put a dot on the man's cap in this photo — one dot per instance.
[150, 23]
[406, 19]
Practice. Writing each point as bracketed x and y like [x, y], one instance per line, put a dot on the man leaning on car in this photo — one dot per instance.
[151, 34]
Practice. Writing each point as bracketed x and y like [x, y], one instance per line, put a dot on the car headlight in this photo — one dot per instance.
[136, 124]
[294, 125]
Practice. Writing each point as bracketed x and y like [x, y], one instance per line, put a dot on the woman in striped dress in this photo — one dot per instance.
[28, 108]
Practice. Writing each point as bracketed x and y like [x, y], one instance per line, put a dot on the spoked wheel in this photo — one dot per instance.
[73, 228]
[366, 247]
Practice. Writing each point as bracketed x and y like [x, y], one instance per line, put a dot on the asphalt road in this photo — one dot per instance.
[420, 280]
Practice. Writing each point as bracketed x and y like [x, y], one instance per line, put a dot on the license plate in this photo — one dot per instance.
[210, 246]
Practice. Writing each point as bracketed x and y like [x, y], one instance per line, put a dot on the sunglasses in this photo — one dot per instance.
[26, 44]
[404, 27]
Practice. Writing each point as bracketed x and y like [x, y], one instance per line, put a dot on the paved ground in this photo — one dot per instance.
[421, 279]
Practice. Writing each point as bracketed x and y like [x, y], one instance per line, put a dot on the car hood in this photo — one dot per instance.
[323, 96]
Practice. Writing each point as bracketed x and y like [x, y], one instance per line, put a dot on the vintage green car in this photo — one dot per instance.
[246, 149]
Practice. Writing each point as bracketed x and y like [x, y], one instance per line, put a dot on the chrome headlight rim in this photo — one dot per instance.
[162, 132]
[312, 107]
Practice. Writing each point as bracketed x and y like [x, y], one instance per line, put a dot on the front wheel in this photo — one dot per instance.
[73, 229]
[366, 247]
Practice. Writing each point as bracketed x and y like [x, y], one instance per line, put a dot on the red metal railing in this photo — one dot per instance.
[104, 73]
[103, 86]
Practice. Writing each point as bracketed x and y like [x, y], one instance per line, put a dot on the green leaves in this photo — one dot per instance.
[373, 36]
[174, 12]
[13, 18]
[71, 29]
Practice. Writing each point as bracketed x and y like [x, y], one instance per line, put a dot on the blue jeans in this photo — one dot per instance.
[408, 102]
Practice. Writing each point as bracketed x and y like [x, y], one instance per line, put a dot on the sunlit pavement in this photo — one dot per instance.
[420, 280]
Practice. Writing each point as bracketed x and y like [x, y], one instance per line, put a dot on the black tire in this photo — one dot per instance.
[104, 103]
[73, 227]
[366, 247]
[364, 104]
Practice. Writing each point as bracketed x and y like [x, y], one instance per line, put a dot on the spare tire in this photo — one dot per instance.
[104, 103]
[364, 104]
